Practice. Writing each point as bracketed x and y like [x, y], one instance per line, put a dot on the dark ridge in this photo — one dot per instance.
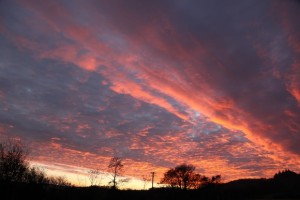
[284, 185]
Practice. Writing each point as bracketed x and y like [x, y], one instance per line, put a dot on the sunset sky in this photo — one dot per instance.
[211, 83]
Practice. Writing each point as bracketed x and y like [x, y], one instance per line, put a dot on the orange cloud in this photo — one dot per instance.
[180, 73]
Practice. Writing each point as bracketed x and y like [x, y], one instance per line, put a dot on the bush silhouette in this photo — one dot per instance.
[13, 165]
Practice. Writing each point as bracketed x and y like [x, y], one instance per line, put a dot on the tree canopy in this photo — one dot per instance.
[15, 168]
[184, 177]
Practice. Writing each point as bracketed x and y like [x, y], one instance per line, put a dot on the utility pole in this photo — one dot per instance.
[152, 178]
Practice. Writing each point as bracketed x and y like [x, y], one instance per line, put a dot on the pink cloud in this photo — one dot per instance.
[182, 74]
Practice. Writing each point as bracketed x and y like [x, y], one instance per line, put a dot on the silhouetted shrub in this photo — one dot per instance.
[13, 165]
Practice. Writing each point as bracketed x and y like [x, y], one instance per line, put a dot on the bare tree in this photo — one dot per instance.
[115, 167]
[59, 181]
[36, 175]
[93, 175]
[15, 168]
[13, 165]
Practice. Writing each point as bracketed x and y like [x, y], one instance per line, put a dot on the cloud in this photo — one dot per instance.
[213, 83]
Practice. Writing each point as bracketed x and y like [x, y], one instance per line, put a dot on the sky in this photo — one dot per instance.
[159, 83]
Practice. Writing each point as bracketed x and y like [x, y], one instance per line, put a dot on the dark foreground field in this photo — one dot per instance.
[282, 188]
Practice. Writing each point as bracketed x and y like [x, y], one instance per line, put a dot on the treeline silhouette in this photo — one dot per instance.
[20, 181]
[15, 169]
[184, 177]
[282, 188]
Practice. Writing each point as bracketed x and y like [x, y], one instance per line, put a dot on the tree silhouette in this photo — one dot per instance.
[93, 175]
[115, 167]
[181, 176]
[13, 165]
[37, 176]
[59, 181]
[285, 174]
[15, 168]
[216, 179]
[196, 181]
[170, 178]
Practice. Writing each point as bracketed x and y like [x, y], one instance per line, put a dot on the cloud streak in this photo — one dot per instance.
[210, 82]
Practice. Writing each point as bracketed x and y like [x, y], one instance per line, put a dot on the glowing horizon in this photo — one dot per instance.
[158, 83]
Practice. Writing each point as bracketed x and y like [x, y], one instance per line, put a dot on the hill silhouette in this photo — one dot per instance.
[284, 185]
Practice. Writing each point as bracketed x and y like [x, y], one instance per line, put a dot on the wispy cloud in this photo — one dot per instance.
[214, 84]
